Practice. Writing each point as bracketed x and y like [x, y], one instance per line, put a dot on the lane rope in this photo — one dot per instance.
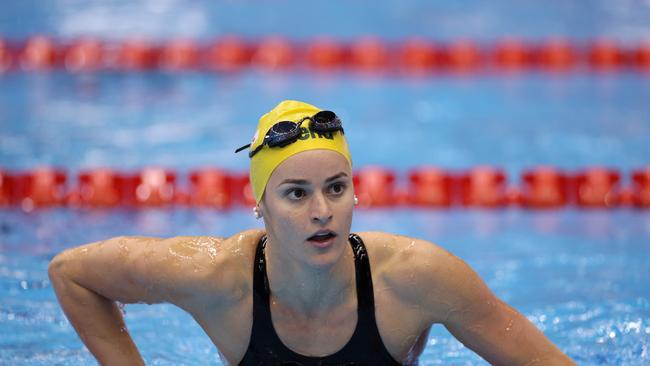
[413, 56]
[538, 188]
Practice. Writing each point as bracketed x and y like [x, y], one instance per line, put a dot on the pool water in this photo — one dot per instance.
[579, 275]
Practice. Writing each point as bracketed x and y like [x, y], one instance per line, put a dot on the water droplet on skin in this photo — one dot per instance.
[124, 250]
[182, 250]
[122, 307]
[212, 252]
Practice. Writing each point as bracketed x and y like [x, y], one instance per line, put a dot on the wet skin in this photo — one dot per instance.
[313, 295]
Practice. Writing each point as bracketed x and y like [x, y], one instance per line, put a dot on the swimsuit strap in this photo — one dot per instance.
[365, 293]
[365, 347]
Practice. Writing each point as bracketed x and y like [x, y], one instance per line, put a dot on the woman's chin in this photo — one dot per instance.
[324, 254]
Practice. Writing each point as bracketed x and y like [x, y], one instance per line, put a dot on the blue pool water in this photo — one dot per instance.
[580, 276]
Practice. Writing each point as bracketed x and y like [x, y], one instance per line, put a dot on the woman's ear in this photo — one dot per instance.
[260, 208]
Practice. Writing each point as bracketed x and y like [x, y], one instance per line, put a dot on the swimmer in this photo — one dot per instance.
[304, 290]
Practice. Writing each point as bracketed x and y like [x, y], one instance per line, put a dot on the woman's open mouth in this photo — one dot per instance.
[322, 238]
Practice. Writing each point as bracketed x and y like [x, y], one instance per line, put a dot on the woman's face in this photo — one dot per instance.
[307, 207]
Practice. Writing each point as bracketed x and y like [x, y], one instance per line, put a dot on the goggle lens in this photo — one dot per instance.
[282, 128]
[282, 133]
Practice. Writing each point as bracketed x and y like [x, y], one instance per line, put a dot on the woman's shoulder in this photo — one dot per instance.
[222, 249]
[410, 265]
[415, 268]
[231, 262]
[388, 247]
[245, 239]
[239, 249]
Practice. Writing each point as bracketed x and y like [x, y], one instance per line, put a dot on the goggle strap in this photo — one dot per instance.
[253, 152]
[242, 148]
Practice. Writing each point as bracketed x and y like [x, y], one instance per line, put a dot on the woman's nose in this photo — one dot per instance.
[321, 211]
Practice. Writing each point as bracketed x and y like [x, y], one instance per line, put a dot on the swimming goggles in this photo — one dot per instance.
[284, 133]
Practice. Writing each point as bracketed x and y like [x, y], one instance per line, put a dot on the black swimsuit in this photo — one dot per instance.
[364, 348]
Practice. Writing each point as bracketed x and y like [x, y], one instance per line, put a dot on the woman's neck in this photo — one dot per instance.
[308, 289]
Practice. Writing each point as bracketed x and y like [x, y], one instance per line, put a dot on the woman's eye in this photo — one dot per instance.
[337, 188]
[296, 193]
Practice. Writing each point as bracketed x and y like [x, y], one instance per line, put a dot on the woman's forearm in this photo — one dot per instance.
[97, 320]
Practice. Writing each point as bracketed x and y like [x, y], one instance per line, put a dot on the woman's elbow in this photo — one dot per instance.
[66, 262]
[56, 269]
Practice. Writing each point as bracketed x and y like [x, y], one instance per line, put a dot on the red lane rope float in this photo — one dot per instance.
[40, 53]
[430, 186]
[513, 54]
[598, 187]
[228, 54]
[154, 187]
[605, 54]
[369, 54]
[6, 59]
[413, 55]
[544, 187]
[463, 56]
[557, 54]
[274, 53]
[375, 187]
[641, 187]
[211, 187]
[642, 56]
[243, 190]
[325, 54]
[137, 55]
[41, 187]
[179, 55]
[98, 188]
[84, 55]
[418, 56]
[484, 186]
[6, 188]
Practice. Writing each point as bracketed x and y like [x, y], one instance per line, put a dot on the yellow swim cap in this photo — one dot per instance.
[268, 158]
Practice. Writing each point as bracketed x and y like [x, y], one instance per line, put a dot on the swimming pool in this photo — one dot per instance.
[579, 275]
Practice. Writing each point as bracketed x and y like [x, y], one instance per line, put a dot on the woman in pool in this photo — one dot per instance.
[304, 291]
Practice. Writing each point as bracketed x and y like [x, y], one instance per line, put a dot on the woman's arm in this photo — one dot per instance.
[88, 281]
[502, 335]
[457, 297]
